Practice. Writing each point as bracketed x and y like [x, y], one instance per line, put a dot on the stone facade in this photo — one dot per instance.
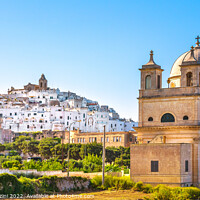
[171, 163]
[169, 124]
[115, 139]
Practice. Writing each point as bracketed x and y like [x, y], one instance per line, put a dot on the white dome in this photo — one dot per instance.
[176, 70]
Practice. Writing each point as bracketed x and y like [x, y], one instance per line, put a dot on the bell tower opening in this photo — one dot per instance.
[189, 79]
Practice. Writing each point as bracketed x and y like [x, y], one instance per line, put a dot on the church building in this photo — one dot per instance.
[168, 132]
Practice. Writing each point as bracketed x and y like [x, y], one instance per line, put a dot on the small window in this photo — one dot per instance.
[120, 139]
[154, 166]
[113, 139]
[72, 140]
[117, 139]
[150, 119]
[185, 117]
[107, 139]
[186, 166]
[78, 140]
[27, 126]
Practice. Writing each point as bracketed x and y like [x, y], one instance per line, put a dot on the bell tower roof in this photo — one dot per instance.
[151, 64]
[43, 77]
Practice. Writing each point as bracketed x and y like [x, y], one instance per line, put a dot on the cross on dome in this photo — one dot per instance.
[197, 38]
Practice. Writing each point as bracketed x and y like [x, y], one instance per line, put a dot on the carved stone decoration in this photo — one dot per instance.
[158, 139]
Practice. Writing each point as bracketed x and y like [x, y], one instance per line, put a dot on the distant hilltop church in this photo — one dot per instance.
[41, 86]
[168, 133]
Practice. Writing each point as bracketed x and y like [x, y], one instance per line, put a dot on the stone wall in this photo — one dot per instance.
[171, 158]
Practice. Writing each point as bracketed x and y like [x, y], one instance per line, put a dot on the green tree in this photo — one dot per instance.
[18, 144]
[91, 148]
[45, 147]
[30, 147]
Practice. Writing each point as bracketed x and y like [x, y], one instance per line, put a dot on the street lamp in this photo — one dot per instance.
[69, 142]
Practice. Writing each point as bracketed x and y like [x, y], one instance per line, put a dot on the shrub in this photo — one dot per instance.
[118, 183]
[48, 184]
[112, 168]
[162, 192]
[30, 175]
[13, 164]
[139, 186]
[96, 182]
[187, 193]
[45, 165]
[28, 185]
[148, 188]
[9, 184]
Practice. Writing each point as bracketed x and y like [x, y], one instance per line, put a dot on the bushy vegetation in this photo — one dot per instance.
[10, 184]
[52, 147]
[112, 182]
[90, 163]
[45, 165]
[160, 192]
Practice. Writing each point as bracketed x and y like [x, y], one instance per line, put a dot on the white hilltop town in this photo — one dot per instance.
[38, 108]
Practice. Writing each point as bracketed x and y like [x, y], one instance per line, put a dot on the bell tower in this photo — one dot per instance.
[151, 75]
[43, 83]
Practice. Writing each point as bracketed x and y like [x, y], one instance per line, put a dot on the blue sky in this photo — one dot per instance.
[93, 48]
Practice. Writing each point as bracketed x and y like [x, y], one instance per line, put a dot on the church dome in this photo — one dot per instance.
[191, 57]
[176, 70]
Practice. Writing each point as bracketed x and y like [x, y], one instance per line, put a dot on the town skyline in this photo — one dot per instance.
[96, 49]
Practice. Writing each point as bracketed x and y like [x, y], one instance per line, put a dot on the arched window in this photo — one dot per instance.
[189, 79]
[150, 119]
[148, 82]
[167, 117]
[185, 117]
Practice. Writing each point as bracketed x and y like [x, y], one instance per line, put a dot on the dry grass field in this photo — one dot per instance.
[101, 195]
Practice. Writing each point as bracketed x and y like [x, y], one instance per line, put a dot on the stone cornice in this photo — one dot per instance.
[169, 96]
[166, 127]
